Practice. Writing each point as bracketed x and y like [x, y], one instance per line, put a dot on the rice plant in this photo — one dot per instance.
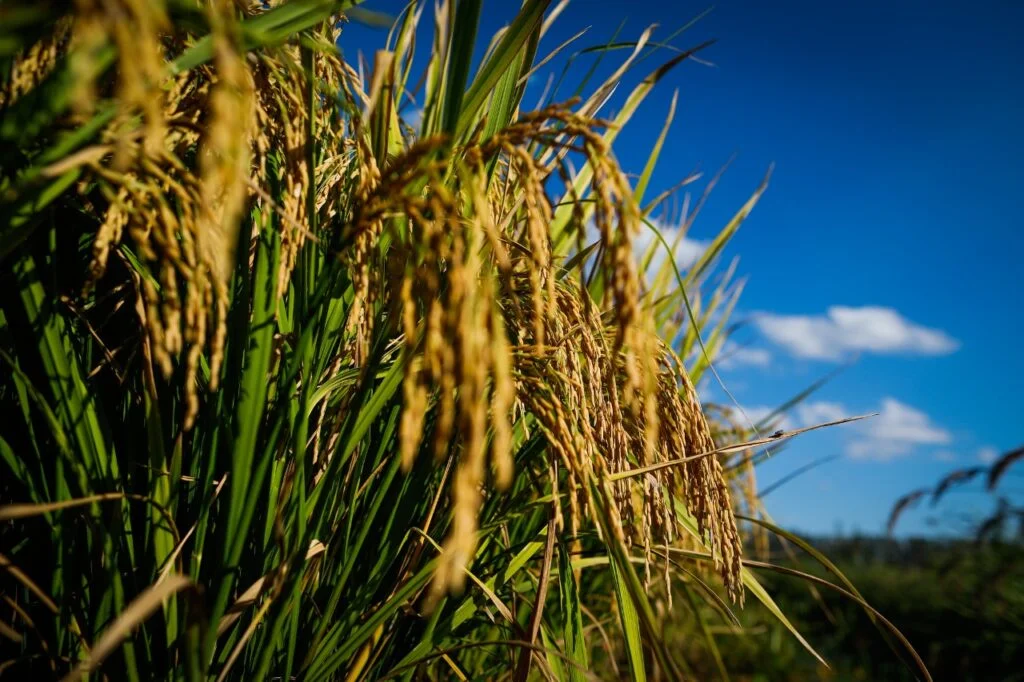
[1007, 520]
[295, 389]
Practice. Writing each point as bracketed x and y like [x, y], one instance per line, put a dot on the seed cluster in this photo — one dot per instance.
[137, 29]
[181, 198]
[574, 392]
[32, 65]
[490, 323]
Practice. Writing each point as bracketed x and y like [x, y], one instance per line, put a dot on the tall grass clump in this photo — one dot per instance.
[294, 389]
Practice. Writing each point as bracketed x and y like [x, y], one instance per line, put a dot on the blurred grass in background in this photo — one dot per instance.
[960, 603]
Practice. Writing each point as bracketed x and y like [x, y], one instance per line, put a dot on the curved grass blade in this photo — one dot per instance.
[750, 582]
[872, 611]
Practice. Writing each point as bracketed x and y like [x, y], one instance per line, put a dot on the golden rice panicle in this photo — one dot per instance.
[183, 222]
[34, 64]
[414, 390]
[358, 256]
[224, 149]
[607, 397]
[137, 28]
[283, 129]
[537, 217]
[474, 301]
[707, 487]
[224, 158]
[557, 391]
[617, 219]
[109, 234]
[457, 363]
[643, 511]
[503, 398]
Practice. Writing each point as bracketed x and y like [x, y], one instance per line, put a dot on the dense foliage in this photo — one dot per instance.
[960, 602]
[294, 388]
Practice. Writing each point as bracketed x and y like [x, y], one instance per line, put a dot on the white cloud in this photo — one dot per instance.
[686, 250]
[895, 432]
[844, 330]
[733, 355]
[880, 450]
[805, 414]
[987, 455]
[810, 414]
[757, 413]
[899, 421]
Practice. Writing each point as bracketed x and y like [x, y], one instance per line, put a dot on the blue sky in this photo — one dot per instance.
[891, 230]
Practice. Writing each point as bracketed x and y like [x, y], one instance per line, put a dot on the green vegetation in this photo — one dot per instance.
[959, 602]
[293, 389]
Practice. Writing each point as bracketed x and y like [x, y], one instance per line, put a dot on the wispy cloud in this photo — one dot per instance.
[821, 412]
[804, 414]
[944, 456]
[987, 455]
[897, 431]
[844, 330]
[686, 250]
[734, 355]
[757, 413]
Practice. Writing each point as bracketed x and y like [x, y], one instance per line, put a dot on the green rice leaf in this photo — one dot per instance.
[572, 617]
